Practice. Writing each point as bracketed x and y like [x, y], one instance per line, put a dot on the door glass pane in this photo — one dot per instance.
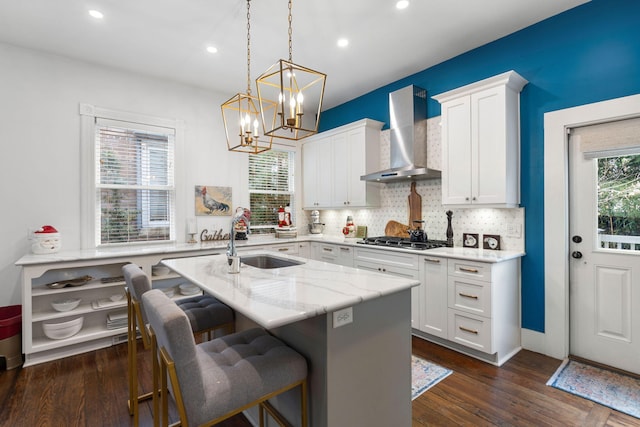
[619, 202]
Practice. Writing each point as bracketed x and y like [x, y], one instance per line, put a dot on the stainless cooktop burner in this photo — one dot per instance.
[403, 242]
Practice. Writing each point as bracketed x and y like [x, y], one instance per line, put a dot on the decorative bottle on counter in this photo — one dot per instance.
[449, 229]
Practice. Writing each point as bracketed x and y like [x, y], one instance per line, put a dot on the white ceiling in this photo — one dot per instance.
[167, 38]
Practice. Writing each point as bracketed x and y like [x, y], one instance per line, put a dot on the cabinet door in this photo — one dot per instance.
[317, 178]
[356, 151]
[433, 300]
[341, 169]
[488, 142]
[456, 151]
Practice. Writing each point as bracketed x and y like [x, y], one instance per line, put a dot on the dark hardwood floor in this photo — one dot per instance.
[91, 390]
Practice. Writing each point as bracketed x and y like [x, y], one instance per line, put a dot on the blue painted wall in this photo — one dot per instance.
[587, 54]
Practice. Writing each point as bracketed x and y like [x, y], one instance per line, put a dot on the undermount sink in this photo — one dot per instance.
[267, 261]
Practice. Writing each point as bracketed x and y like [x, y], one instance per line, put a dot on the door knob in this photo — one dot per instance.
[576, 254]
[576, 239]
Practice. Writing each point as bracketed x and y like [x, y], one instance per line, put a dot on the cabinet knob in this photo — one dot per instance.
[474, 199]
[466, 198]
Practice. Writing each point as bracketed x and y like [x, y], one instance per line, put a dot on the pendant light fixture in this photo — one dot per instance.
[298, 90]
[241, 113]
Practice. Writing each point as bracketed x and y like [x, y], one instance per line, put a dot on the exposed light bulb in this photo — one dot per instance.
[96, 14]
[300, 100]
[255, 127]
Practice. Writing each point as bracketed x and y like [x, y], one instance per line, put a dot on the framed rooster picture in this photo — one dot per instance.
[213, 201]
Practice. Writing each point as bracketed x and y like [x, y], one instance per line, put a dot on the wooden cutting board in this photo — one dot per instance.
[415, 206]
[396, 229]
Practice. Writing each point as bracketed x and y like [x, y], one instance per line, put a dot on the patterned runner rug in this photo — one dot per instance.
[425, 375]
[617, 391]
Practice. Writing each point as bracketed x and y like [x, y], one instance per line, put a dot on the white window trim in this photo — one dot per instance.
[88, 114]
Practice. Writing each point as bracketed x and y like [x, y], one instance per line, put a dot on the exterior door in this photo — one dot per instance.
[604, 299]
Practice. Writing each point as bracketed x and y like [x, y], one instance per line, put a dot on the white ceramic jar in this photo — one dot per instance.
[46, 240]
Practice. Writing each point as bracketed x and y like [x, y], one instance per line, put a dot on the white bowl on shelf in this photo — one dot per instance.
[189, 289]
[116, 297]
[169, 292]
[62, 330]
[66, 304]
[159, 270]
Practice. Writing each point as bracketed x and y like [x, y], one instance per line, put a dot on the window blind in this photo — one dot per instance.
[617, 138]
[270, 186]
[135, 189]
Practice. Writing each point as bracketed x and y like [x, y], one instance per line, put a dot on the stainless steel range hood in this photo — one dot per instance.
[408, 142]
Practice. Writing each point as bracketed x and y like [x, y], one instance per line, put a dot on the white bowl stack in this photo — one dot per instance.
[62, 330]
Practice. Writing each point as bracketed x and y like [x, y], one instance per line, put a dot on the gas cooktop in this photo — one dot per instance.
[403, 242]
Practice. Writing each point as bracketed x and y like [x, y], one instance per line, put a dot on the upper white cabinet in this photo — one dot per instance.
[481, 142]
[317, 181]
[333, 162]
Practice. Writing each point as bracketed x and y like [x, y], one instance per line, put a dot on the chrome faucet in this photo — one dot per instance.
[231, 247]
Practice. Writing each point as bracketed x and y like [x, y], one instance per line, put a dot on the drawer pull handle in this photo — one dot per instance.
[327, 249]
[468, 270]
[467, 295]
[283, 249]
[345, 249]
[435, 261]
[471, 331]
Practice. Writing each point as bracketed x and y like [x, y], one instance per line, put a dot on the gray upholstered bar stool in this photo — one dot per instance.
[205, 313]
[217, 379]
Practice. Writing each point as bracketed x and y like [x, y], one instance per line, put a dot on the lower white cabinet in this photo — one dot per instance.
[103, 320]
[432, 300]
[472, 305]
[333, 253]
[397, 264]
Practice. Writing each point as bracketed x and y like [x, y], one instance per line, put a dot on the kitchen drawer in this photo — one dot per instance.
[335, 254]
[471, 296]
[284, 248]
[470, 331]
[389, 269]
[470, 269]
[388, 258]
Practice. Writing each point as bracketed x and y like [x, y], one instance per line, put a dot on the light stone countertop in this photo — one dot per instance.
[481, 255]
[280, 296]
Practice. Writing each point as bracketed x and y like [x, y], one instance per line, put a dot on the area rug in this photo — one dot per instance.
[617, 391]
[425, 375]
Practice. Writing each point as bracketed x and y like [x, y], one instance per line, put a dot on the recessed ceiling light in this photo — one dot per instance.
[96, 14]
[402, 4]
[212, 49]
[343, 42]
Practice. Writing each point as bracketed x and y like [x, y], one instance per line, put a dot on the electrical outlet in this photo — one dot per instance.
[342, 317]
[514, 229]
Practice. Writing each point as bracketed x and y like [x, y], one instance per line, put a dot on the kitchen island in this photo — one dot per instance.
[353, 326]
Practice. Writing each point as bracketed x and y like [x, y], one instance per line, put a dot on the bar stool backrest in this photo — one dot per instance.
[138, 283]
[173, 333]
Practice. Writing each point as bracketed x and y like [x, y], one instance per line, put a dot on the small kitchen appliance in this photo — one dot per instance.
[315, 227]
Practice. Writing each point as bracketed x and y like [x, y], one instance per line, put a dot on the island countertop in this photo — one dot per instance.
[280, 296]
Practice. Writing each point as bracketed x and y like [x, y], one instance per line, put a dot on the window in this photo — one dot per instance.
[127, 177]
[270, 187]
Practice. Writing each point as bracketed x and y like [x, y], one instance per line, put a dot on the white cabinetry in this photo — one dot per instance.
[432, 301]
[397, 264]
[484, 307]
[95, 306]
[333, 253]
[481, 142]
[333, 162]
[316, 176]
